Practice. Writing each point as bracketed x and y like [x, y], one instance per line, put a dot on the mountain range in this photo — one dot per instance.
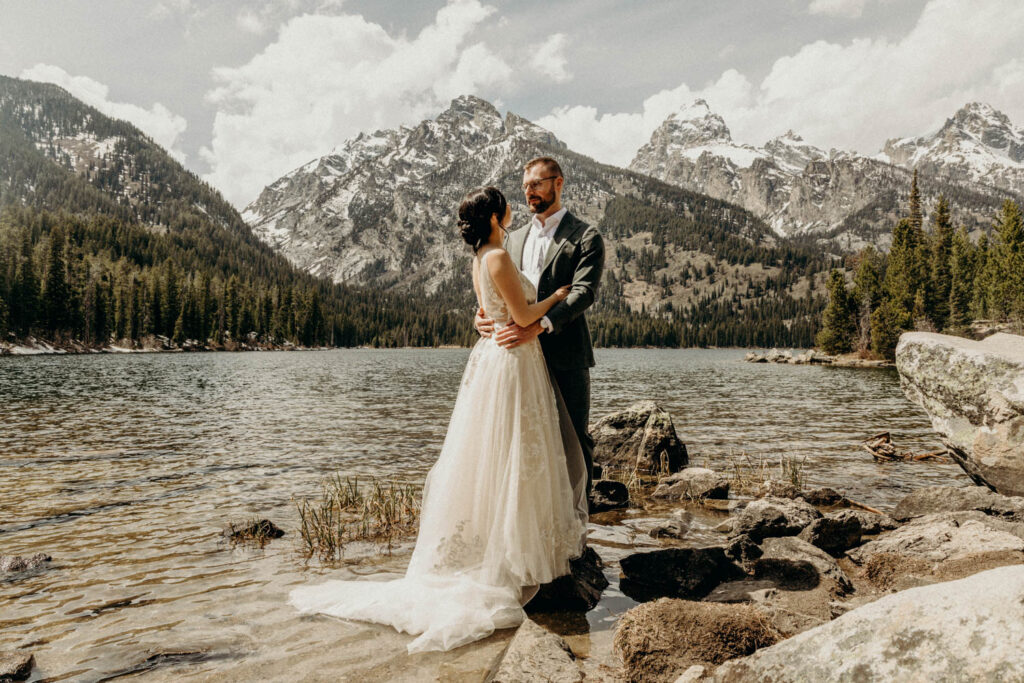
[846, 200]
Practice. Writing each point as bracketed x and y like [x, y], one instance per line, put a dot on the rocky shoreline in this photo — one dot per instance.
[157, 344]
[814, 357]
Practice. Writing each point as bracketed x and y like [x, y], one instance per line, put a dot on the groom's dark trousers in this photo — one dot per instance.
[576, 257]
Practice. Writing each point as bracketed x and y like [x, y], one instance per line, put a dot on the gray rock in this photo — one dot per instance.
[872, 523]
[17, 563]
[641, 437]
[676, 526]
[578, 591]
[974, 394]
[536, 654]
[795, 564]
[823, 496]
[693, 483]
[934, 499]
[835, 533]
[745, 590]
[773, 488]
[966, 630]
[658, 641]
[774, 517]
[15, 666]
[942, 546]
[692, 675]
[608, 494]
[676, 572]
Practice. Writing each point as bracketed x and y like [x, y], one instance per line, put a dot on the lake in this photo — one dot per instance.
[126, 468]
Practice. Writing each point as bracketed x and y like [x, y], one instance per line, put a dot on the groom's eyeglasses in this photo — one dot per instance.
[534, 184]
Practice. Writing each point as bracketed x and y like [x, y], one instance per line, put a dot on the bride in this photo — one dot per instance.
[504, 508]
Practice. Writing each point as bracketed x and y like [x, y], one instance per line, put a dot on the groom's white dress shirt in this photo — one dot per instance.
[535, 250]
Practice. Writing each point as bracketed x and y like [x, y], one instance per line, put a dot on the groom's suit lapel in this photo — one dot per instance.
[561, 237]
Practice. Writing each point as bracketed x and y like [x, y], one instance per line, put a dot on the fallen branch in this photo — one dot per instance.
[881, 448]
[862, 506]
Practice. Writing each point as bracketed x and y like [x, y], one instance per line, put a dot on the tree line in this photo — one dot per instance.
[933, 279]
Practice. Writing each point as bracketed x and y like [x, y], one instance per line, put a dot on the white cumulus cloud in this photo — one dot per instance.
[158, 122]
[850, 95]
[838, 8]
[549, 59]
[327, 77]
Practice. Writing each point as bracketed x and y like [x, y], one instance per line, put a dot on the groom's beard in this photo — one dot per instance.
[544, 202]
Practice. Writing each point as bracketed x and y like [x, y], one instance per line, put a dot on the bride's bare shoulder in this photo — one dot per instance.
[500, 259]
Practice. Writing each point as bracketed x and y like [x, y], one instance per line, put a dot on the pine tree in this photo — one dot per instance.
[1006, 263]
[961, 280]
[982, 274]
[55, 288]
[838, 325]
[941, 257]
[888, 322]
[867, 292]
[916, 218]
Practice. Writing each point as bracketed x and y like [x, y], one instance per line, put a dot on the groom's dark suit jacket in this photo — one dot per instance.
[575, 257]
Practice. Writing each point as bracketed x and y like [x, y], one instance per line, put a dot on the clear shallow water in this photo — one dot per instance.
[126, 468]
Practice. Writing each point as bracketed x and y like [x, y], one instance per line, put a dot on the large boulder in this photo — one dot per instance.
[608, 494]
[578, 591]
[640, 437]
[774, 517]
[536, 654]
[693, 483]
[932, 499]
[676, 572]
[15, 666]
[796, 564]
[659, 641]
[967, 630]
[942, 546]
[974, 393]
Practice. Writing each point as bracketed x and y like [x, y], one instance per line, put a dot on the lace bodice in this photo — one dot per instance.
[494, 305]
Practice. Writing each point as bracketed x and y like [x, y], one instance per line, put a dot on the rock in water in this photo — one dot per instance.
[974, 394]
[15, 666]
[676, 572]
[536, 654]
[693, 483]
[578, 591]
[966, 630]
[659, 641]
[774, 517]
[17, 563]
[835, 533]
[639, 437]
[608, 494]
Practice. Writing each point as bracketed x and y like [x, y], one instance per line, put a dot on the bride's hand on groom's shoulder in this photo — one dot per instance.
[484, 325]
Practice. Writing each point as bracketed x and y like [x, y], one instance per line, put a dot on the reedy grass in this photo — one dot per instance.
[348, 511]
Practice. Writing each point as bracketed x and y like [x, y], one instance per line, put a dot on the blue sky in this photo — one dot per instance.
[242, 92]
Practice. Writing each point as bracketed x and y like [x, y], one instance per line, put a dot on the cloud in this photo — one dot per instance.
[838, 8]
[158, 122]
[845, 95]
[549, 59]
[326, 78]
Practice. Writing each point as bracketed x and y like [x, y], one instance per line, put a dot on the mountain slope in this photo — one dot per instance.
[847, 199]
[379, 210]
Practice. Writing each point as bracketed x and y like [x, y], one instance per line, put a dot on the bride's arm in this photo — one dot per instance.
[506, 278]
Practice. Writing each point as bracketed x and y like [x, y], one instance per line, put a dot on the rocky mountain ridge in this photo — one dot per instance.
[845, 199]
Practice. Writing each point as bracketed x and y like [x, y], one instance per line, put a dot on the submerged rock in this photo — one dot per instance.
[256, 531]
[15, 666]
[933, 499]
[676, 526]
[578, 591]
[693, 483]
[608, 494]
[536, 654]
[774, 517]
[974, 394]
[17, 563]
[640, 437]
[823, 496]
[942, 546]
[676, 572]
[772, 488]
[659, 641]
[967, 630]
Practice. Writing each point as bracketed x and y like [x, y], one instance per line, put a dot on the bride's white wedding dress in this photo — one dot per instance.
[504, 506]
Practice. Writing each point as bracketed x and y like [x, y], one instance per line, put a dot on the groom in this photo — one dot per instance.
[557, 249]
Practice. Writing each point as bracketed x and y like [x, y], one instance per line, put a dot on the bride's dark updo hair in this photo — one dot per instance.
[475, 213]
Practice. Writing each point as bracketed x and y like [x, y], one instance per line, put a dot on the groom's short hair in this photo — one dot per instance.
[550, 165]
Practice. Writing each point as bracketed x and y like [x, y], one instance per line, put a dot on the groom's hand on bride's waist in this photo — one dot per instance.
[484, 325]
[512, 335]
